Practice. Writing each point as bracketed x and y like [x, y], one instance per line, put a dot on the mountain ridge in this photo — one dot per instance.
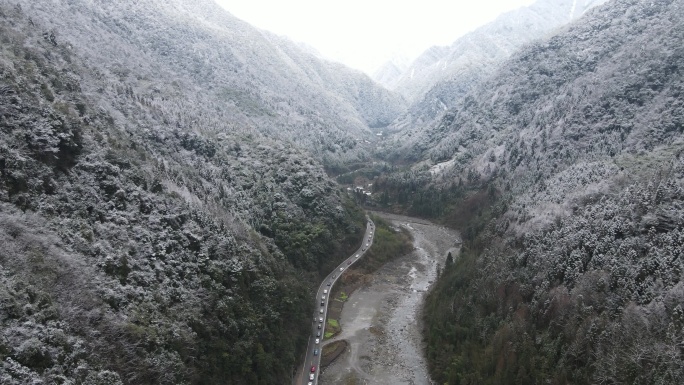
[223, 56]
[440, 77]
[122, 149]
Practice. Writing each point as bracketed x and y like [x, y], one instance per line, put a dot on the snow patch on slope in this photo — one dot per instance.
[572, 9]
[440, 167]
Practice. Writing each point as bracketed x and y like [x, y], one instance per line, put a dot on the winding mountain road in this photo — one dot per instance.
[313, 349]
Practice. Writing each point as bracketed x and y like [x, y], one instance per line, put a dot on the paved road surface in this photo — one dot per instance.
[313, 350]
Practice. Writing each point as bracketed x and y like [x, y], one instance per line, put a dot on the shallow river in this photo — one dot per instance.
[380, 321]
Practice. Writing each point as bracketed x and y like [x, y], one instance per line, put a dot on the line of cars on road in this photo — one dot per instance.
[321, 311]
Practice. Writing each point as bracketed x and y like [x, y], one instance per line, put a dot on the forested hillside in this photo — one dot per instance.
[216, 62]
[565, 171]
[151, 232]
[164, 209]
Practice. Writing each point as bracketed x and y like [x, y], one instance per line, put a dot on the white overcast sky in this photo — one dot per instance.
[364, 34]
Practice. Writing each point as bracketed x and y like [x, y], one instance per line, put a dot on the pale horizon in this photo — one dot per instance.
[366, 34]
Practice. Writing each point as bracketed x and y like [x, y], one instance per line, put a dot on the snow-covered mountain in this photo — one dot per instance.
[389, 73]
[565, 171]
[441, 76]
[487, 45]
[163, 201]
[268, 83]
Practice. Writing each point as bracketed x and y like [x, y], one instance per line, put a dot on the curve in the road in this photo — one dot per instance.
[311, 359]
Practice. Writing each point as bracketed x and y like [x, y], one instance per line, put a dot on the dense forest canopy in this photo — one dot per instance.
[153, 232]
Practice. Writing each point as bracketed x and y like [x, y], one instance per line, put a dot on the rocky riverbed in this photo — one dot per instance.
[381, 320]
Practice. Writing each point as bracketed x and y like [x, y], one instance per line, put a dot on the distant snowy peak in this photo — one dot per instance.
[311, 50]
[490, 43]
[389, 73]
[584, 5]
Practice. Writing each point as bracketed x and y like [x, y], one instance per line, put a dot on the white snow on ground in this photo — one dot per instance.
[439, 167]
[572, 10]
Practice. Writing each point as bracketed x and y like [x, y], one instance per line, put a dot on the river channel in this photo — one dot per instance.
[381, 320]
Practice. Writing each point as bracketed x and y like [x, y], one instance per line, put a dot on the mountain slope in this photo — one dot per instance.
[152, 233]
[376, 106]
[441, 76]
[227, 65]
[489, 43]
[569, 162]
[390, 73]
[548, 93]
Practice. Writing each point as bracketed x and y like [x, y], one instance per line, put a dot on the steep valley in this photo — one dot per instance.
[168, 201]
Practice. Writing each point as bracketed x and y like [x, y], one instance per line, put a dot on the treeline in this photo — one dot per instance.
[412, 193]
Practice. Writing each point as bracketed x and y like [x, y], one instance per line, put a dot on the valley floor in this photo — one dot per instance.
[380, 321]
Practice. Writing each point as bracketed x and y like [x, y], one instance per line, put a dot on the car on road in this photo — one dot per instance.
[320, 320]
[318, 341]
[329, 283]
[348, 263]
[357, 255]
[322, 303]
[319, 326]
[320, 311]
[311, 376]
[315, 352]
[323, 298]
[309, 383]
[318, 333]
[364, 249]
[341, 268]
[313, 369]
[325, 291]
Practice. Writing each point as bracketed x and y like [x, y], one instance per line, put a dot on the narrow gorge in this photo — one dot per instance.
[176, 184]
